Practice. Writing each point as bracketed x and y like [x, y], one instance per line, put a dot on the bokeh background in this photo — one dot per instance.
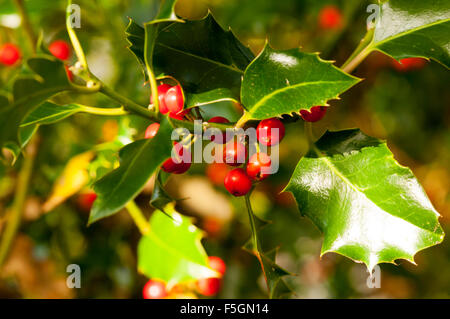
[409, 109]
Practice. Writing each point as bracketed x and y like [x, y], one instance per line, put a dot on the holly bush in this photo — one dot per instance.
[95, 133]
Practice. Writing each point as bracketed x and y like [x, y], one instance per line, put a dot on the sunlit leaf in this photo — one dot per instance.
[74, 177]
[172, 250]
[370, 208]
[414, 28]
[285, 82]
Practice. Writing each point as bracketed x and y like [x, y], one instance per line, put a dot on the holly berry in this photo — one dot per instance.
[60, 49]
[69, 73]
[217, 264]
[315, 114]
[154, 289]
[151, 130]
[267, 132]
[174, 99]
[177, 166]
[234, 153]
[256, 164]
[217, 172]
[409, 64]
[162, 90]
[237, 182]
[180, 116]
[223, 138]
[330, 18]
[209, 287]
[86, 200]
[9, 54]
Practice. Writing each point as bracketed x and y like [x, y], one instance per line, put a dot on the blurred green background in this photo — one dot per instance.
[409, 109]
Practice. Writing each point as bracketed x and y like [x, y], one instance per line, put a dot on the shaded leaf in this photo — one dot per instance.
[370, 208]
[139, 161]
[29, 91]
[285, 82]
[209, 68]
[172, 250]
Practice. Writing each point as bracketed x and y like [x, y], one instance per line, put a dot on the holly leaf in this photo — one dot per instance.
[49, 113]
[49, 78]
[285, 82]
[160, 198]
[172, 249]
[273, 274]
[209, 69]
[370, 208]
[74, 177]
[142, 40]
[138, 162]
[414, 28]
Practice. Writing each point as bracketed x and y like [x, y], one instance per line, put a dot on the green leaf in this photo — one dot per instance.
[273, 273]
[172, 250]
[209, 69]
[285, 82]
[160, 198]
[370, 208]
[139, 161]
[414, 28]
[49, 113]
[29, 91]
[142, 40]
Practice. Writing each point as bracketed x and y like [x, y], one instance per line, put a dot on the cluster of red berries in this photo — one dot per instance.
[171, 101]
[10, 54]
[155, 289]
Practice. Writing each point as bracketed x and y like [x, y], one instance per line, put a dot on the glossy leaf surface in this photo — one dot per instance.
[370, 208]
[285, 82]
[414, 28]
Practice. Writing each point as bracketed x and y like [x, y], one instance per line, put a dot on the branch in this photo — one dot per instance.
[15, 214]
[138, 217]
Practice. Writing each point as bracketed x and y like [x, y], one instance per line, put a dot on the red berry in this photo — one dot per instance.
[60, 49]
[409, 64]
[330, 17]
[174, 99]
[86, 200]
[69, 73]
[217, 172]
[223, 138]
[178, 166]
[255, 165]
[151, 130]
[179, 116]
[162, 90]
[237, 182]
[217, 264]
[234, 153]
[267, 132]
[315, 114]
[9, 54]
[154, 289]
[209, 287]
